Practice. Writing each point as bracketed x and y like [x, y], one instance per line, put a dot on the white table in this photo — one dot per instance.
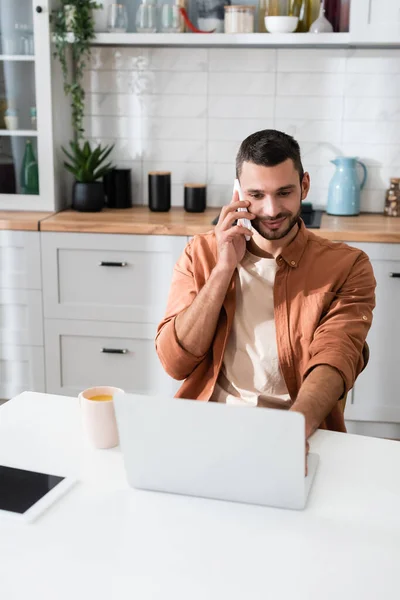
[105, 541]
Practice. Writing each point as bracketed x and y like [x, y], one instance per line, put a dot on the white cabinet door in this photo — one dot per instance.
[375, 21]
[106, 277]
[21, 319]
[21, 369]
[82, 354]
[376, 395]
[20, 260]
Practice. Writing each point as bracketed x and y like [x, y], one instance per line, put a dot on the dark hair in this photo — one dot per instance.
[269, 148]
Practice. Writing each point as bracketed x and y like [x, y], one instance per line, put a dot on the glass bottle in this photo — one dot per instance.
[29, 171]
[392, 204]
[307, 11]
[332, 13]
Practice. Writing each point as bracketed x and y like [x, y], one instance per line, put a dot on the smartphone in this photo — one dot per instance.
[242, 222]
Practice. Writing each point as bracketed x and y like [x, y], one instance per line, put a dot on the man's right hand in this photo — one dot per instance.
[231, 241]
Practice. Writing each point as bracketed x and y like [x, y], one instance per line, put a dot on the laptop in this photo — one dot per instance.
[212, 450]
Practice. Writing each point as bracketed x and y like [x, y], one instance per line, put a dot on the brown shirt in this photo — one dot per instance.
[324, 294]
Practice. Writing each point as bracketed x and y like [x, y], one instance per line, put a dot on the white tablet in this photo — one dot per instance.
[24, 495]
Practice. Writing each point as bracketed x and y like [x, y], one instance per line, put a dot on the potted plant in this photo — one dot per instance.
[74, 30]
[88, 168]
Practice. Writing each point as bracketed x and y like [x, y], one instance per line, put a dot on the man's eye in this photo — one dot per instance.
[284, 194]
[256, 196]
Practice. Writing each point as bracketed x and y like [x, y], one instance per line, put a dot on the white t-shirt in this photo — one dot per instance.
[250, 373]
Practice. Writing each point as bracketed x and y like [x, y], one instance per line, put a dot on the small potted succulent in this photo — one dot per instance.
[88, 168]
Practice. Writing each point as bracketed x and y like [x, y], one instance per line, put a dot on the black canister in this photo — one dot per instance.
[160, 191]
[117, 183]
[195, 197]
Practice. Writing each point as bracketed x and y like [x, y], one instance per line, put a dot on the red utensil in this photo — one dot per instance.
[189, 23]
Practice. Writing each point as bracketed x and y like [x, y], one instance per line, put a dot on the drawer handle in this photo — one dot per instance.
[114, 350]
[105, 263]
[397, 275]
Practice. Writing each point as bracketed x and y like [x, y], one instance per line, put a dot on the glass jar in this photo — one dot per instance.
[392, 204]
[239, 19]
[146, 17]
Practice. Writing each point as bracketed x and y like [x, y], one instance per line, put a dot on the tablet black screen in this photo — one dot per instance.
[19, 489]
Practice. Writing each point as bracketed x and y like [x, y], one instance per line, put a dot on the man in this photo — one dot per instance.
[279, 321]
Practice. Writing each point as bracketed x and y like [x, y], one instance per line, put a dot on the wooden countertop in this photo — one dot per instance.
[139, 220]
[367, 227]
[22, 220]
[136, 220]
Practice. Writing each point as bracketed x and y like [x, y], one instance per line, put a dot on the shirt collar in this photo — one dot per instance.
[292, 253]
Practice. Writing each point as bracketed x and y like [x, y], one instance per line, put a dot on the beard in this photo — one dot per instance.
[287, 225]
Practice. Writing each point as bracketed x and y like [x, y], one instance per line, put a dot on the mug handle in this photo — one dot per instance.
[365, 174]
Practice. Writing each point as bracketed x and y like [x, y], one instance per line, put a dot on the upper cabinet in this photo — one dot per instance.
[375, 21]
[31, 104]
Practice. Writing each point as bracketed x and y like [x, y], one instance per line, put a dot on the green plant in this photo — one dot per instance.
[75, 33]
[86, 164]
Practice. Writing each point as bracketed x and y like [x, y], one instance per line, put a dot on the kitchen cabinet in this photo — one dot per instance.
[82, 354]
[21, 314]
[376, 394]
[104, 295]
[106, 277]
[31, 95]
[375, 21]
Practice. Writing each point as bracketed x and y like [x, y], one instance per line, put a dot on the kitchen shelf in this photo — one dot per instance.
[221, 39]
[19, 132]
[18, 57]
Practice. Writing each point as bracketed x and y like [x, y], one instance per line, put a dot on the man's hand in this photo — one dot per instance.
[319, 393]
[231, 241]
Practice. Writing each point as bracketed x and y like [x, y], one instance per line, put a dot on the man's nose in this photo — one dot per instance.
[271, 206]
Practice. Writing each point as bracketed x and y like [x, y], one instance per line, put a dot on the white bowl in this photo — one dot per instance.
[281, 24]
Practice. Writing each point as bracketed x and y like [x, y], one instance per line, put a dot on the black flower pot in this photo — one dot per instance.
[88, 197]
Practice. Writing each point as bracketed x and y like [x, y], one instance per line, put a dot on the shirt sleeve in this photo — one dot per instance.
[339, 340]
[175, 359]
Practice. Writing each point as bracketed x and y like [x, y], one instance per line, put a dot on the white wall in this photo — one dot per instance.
[188, 109]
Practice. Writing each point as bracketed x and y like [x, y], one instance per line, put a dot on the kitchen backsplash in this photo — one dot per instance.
[187, 110]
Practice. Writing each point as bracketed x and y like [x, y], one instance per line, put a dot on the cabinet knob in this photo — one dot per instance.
[397, 275]
[105, 263]
[114, 350]
[39, 9]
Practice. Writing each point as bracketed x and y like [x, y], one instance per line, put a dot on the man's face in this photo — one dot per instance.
[275, 194]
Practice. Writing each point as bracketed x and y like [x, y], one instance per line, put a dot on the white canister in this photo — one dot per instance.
[239, 18]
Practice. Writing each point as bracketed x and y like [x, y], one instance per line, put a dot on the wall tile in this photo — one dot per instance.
[374, 154]
[376, 61]
[221, 174]
[118, 127]
[175, 105]
[219, 195]
[372, 109]
[291, 60]
[179, 151]
[241, 84]
[373, 132]
[177, 59]
[379, 85]
[310, 84]
[309, 107]
[242, 59]
[235, 129]
[241, 107]
[161, 128]
[309, 130]
[127, 59]
[223, 152]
